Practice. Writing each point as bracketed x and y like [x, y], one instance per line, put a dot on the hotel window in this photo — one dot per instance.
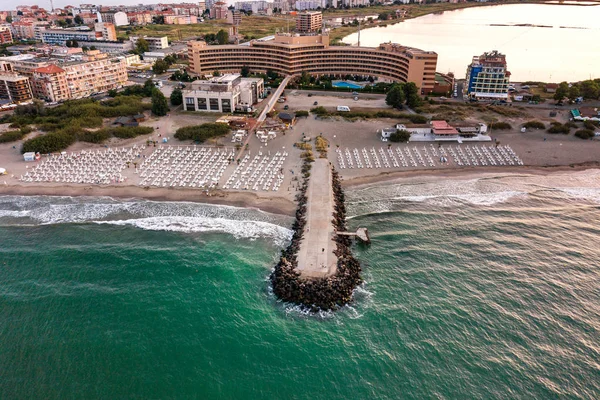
[202, 104]
[214, 104]
[189, 103]
[226, 105]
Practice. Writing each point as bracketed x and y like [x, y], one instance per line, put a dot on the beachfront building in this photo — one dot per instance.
[225, 93]
[105, 46]
[441, 131]
[309, 21]
[487, 77]
[14, 87]
[97, 72]
[293, 54]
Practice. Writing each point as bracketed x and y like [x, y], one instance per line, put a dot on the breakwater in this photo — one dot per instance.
[317, 293]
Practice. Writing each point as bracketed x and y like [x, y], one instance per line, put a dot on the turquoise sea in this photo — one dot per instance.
[487, 288]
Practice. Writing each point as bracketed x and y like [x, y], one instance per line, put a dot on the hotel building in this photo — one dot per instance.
[294, 54]
[487, 77]
[225, 94]
[154, 42]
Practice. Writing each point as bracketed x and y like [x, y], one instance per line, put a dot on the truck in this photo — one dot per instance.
[343, 108]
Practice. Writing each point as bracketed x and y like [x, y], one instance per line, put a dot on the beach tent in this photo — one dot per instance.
[30, 156]
[2, 171]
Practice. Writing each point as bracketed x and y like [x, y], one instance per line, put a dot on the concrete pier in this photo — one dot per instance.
[315, 256]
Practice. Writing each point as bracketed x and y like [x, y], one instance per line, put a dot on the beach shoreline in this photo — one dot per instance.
[276, 204]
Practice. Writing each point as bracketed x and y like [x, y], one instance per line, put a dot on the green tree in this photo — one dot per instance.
[216, 72]
[400, 136]
[148, 88]
[245, 71]
[78, 20]
[9, 19]
[384, 16]
[574, 92]
[61, 23]
[561, 91]
[92, 47]
[142, 46]
[176, 97]
[395, 96]
[160, 106]
[222, 37]
[158, 19]
[69, 21]
[112, 93]
[590, 89]
[305, 78]
[160, 67]
[411, 91]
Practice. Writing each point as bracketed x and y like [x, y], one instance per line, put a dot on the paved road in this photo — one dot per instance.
[315, 257]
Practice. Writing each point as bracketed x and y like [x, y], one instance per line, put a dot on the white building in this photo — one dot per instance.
[119, 18]
[154, 42]
[226, 94]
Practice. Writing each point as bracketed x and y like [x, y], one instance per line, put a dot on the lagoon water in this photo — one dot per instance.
[485, 288]
[558, 46]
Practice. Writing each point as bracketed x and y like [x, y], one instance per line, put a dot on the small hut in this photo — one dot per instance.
[287, 118]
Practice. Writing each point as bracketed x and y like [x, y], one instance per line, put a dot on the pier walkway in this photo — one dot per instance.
[315, 256]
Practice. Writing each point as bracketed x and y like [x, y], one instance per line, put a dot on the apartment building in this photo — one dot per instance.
[15, 87]
[309, 21]
[60, 36]
[218, 10]
[107, 30]
[105, 46]
[487, 77]
[155, 43]
[234, 17]
[180, 19]
[294, 54]
[225, 93]
[119, 18]
[54, 79]
[5, 35]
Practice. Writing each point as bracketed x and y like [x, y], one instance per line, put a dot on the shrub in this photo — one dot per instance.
[26, 129]
[500, 125]
[201, 133]
[557, 127]
[400, 136]
[128, 132]
[98, 136]
[534, 125]
[320, 111]
[584, 134]
[591, 125]
[11, 136]
[301, 113]
[51, 142]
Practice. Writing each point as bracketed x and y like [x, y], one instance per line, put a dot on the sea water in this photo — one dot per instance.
[479, 288]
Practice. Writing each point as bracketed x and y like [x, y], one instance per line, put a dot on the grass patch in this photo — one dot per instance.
[500, 125]
[201, 133]
[534, 125]
[584, 134]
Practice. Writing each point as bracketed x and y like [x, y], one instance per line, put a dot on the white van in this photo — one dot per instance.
[343, 108]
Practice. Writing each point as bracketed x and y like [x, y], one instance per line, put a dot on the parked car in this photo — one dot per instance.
[286, 107]
[316, 103]
[310, 95]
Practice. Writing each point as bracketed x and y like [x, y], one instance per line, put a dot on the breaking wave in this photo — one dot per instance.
[183, 217]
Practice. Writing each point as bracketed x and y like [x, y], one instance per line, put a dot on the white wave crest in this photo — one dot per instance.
[583, 193]
[237, 228]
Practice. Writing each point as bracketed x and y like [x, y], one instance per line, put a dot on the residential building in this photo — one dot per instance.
[50, 84]
[107, 29]
[60, 36]
[119, 18]
[15, 87]
[219, 10]
[293, 54]
[154, 42]
[180, 19]
[487, 77]
[234, 17]
[302, 5]
[105, 46]
[226, 93]
[309, 21]
[5, 35]
[254, 6]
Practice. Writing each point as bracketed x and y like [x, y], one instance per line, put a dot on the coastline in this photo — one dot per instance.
[273, 204]
[463, 173]
[277, 204]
